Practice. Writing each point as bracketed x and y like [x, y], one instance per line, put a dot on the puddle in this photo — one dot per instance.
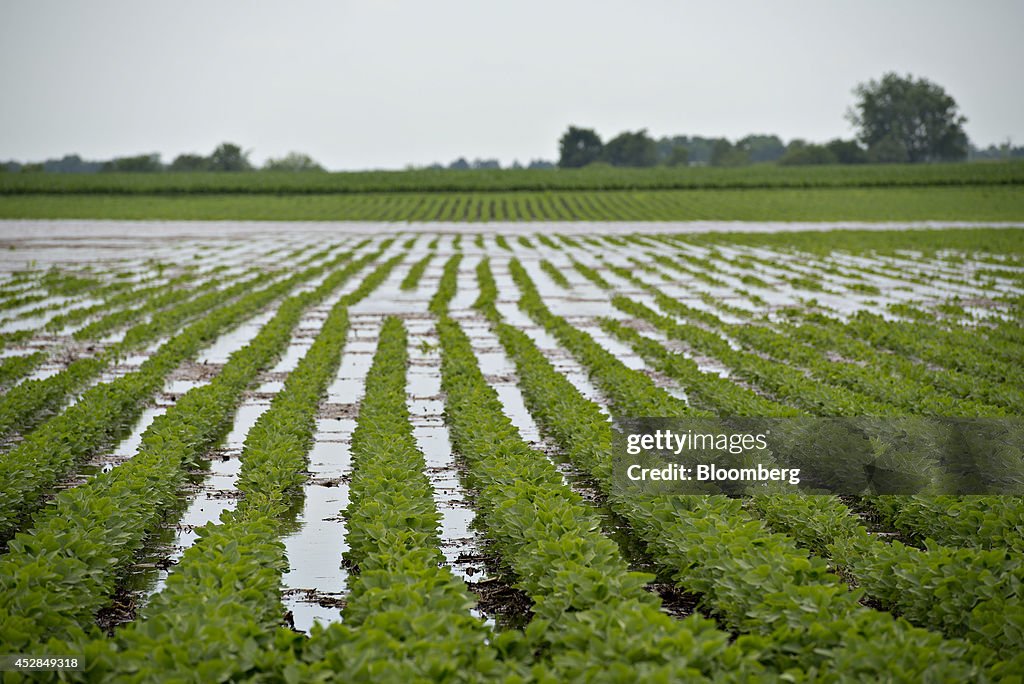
[500, 372]
[292, 355]
[42, 373]
[632, 360]
[467, 290]
[565, 364]
[180, 387]
[221, 350]
[315, 584]
[459, 542]
[360, 345]
[212, 490]
[270, 387]
[130, 444]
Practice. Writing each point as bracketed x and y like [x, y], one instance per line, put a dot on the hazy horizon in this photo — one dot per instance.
[394, 83]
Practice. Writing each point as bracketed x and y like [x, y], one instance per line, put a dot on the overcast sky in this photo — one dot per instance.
[387, 83]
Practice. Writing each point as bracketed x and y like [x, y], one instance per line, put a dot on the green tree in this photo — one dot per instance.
[724, 153]
[762, 148]
[701, 149]
[698, 149]
[293, 161]
[679, 155]
[799, 152]
[631, 149]
[888, 150]
[229, 157]
[914, 115]
[579, 147]
[142, 163]
[847, 151]
[190, 162]
[72, 163]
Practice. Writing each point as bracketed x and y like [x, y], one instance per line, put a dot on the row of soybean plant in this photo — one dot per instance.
[963, 592]
[113, 305]
[799, 366]
[591, 615]
[63, 568]
[203, 621]
[163, 312]
[712, 544]
[854, 388]
[106, 410]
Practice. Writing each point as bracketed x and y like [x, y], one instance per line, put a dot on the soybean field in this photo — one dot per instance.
[383, 453]
[869, 192]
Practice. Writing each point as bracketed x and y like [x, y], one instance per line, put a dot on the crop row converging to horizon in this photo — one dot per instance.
[389, 458]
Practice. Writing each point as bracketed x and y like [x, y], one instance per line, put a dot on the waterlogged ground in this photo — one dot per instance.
[842, 313]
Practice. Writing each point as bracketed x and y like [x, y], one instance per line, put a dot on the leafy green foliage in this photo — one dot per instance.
[630, 149]
[754, 579]
[447, 287]
[556, 275]
[579, 147]
[591, 614]
[796, 588]
[48, 593]
[104, 411]
[412, 279]
[33, 401]
[982, 202]
[517, 180]
[908, 119]
[407, 617]
[202, 594]
[13, 368]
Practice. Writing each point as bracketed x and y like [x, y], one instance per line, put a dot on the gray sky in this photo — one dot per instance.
[386, 83]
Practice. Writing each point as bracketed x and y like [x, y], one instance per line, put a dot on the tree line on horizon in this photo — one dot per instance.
[898, 120]
[226, 157]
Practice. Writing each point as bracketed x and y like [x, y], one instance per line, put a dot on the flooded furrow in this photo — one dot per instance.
[459, 542]
[212, 488]
[316, 581]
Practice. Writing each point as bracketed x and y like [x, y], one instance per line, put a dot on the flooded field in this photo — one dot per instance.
[305, 436]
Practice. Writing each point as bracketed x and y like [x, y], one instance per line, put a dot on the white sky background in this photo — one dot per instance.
[387, 83]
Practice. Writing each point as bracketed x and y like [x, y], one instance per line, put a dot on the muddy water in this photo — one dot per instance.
[221, 350]
[500, 372]
[459, 542]
[212, 490]
[559, 358]
[315, 584]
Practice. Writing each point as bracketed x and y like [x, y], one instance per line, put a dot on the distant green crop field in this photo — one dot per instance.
[964, 203]
[517, 180]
